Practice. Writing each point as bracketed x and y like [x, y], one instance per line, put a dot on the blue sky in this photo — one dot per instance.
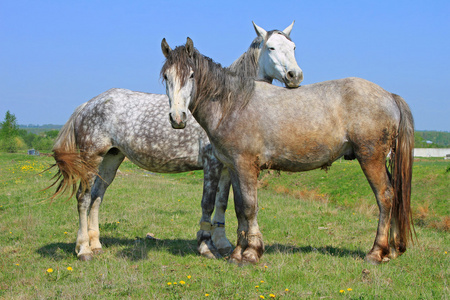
[55, 55]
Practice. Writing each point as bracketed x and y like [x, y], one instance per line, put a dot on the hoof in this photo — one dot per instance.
[85, 257]
[97, 251]
[236, 256]
[206, 249]
[250, 257]
[226, 251]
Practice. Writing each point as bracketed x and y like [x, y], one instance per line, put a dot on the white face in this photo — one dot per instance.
[179, 96]
[277, 60]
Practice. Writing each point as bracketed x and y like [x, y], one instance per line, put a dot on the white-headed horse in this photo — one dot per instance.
[254, 125]
[121, 123]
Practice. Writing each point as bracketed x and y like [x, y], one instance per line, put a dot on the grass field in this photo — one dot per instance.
[317, 227]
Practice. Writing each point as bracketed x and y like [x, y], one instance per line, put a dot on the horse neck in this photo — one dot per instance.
[219, 92]
[247, 65]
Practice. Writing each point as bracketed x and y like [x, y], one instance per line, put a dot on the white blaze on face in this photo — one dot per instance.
[179, 96]
[278, 61]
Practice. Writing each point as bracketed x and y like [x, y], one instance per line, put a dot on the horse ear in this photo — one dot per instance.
[260, 31]
[165, 48]
[288, 29]
[190, 47]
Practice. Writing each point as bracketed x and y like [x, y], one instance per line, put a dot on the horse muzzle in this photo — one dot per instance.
[178, 121]
[293, 78]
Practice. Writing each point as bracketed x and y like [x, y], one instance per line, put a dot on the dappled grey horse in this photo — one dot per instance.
[254, 125]
[121, 123]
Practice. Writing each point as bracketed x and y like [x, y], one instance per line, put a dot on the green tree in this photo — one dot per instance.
[8, 132]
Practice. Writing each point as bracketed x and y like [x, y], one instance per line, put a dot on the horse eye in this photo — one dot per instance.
[191, 76]
[271, 48]
[165, 77]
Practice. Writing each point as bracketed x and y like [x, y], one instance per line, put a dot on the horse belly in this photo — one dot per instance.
[308, 158]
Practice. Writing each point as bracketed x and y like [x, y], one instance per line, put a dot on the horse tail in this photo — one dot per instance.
[72, 166]
[402, 172]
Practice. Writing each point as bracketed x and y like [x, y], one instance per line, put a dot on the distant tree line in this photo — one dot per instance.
[432, 139]
[13, 138]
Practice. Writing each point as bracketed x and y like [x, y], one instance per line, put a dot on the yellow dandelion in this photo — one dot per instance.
[445, 252]
[286, 290]
[118, 222]
[266, 267]
[272, 296]
[256, 286]
[182, 282]
[174, 283]
[17, 265]
[189, 276]
[49, 270]
[262, 297]
[206, 295]
[169, 283]
[65, 232]
[349, 289]
[341, 291]
[69, 268]
[262, 281]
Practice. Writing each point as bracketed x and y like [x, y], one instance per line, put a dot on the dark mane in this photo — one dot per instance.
[213, 82]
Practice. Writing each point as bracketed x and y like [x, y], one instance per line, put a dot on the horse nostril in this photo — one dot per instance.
[290, 75]
[183, 116]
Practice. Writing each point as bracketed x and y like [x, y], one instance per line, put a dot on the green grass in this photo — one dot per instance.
[317, 227]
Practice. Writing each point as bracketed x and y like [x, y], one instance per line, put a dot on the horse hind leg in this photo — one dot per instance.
[107, 172]
[377, 175]
[219, 237]
[82, 247]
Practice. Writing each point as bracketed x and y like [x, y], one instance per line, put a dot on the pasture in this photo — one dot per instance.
[317, 227]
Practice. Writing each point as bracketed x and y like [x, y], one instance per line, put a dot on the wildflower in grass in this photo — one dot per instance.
[118, 222]
[262, 281]
[169, 283]
[341, 291]
[175, 283]
[272, 296]
[256, 286]
[349, 289]
[65, 232]
[17, 264]
[445, 252]
[206, 295]
[49, 270]
[286, 290]
[262, 297]
[266, 267]
[69, 269]
[189, 276]
[182, 282]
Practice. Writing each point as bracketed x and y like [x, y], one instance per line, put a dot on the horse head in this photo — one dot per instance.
[277, 57]
[179, 79]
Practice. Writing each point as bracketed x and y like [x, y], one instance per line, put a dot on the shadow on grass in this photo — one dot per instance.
[139, 248]
[135, 249]
[326, 250]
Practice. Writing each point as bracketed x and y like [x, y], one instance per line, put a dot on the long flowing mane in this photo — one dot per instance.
[213, 82]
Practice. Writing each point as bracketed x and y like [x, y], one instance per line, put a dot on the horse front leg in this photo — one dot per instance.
[249, 246]
[219, 237]
[212, 169]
